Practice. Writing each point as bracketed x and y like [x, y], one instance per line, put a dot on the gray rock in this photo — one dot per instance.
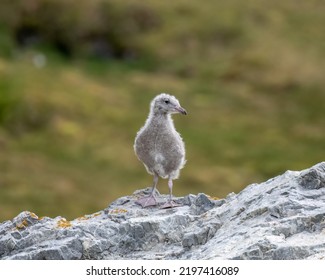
[283, 218]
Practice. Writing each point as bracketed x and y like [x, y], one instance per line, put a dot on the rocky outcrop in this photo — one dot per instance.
[282, 218]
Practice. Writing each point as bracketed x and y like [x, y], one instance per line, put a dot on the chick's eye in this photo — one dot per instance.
[166, 101]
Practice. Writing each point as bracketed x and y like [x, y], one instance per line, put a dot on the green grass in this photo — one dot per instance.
[250, 75]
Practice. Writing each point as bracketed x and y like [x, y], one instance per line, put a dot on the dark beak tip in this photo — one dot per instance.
[181, 110]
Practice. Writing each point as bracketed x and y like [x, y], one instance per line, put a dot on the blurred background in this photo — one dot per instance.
[76, 79]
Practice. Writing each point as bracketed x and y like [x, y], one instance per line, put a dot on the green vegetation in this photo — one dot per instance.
[76, 79]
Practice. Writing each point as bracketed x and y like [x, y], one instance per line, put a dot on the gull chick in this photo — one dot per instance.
[160, 147]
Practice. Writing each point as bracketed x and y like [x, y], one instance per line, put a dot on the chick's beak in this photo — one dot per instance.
[181, 110]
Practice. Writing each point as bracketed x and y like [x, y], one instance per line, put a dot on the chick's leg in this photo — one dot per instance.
[170, 203]
[150, 200]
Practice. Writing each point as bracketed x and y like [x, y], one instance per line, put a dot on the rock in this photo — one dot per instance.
[283, 218]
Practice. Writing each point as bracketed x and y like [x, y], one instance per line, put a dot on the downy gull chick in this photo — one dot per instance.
[160, 147]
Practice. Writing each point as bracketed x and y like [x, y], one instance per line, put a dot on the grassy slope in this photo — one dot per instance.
[251, 77]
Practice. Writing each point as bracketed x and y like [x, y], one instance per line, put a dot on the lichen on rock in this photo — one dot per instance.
[282, 218]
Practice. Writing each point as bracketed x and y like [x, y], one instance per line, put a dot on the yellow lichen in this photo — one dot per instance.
[33, 215]
[117, 211]
[213, 197]
[63, 223]
[83, 218]
[22, 225]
